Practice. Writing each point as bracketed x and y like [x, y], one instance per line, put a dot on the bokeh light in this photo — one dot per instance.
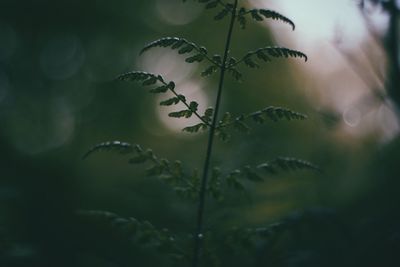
[174, 13]
[338, 39]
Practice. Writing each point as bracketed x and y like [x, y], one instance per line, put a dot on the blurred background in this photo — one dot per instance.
[58, 60]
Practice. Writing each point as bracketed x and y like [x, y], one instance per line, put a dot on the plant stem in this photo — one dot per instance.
[393, 51]
[198, 237]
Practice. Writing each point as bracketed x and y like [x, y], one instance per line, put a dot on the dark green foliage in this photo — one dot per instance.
[183, 46]
[237, 75]
[259, 15]
[269, 113]
[171, 101]
[141, 233]
[120, 147]
[201, 126]
[179, 114]
[139, 76]
[265, 54]
[223, 13]
[188, 184]
[287, 164]
[281, 164]
[148, 79]
[237, 178]
[210, 70]
[195, 128]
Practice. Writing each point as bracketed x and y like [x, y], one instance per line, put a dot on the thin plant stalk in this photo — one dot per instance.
[198, 237]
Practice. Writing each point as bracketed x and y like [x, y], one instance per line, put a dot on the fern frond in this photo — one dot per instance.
[233, 179]
[195, 128]
[208, 113]
[265, 54]
[170, 172]
[139, 76]
[260, 14]
[270, 14]
[149, 79]
[184, 47]
[209, 71]
[141, 232]
[233, 71]
[287, 164]
[269, 113]
[120, 147]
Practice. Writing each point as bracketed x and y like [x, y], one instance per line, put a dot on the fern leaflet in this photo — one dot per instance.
[260, 14]
[265, 54]
[184, 47]
[148, 79]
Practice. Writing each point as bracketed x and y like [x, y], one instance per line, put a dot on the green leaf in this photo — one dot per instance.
[210, 70]
[222, 14]
[251, 175]
[171, 85]
[250, 63]
[241, 18]
[182, 98]
[261, 55]
[255, 16]
[287, 164]
[270, 14]
[120, 147]
[161, 89]
[183, 46]
[150, 81]
[267, 167]
[195, 128]
[170, 101]
[147, 79]
[260, 14]
[283, 52]
[208, 114]
[217, 58]
[265, 53]
[276, 113]
[235, 74]
[258, 117]
[143, 233]
[179, 114]
[193, 106]
[177, 44]
[226, 118]
[136, 76]
[186, 49]
[195, 58]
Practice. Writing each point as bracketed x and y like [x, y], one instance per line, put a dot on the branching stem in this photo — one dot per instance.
[198, 237]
